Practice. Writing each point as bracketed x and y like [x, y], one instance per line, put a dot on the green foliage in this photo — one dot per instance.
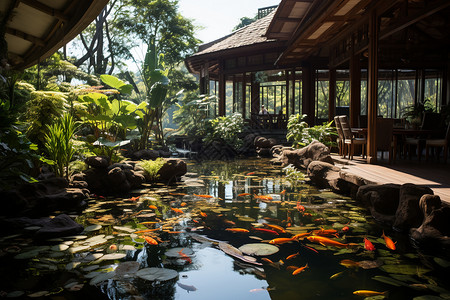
[17, 158]
[294, 176]
[43, 109]
[59, 145]
[244, 21]
[301, 134]
[110, 118]
[193, 114]
[414, 113]
[227, 128]
[151, 167]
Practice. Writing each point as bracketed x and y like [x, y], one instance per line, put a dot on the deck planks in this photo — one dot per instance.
[434, 175]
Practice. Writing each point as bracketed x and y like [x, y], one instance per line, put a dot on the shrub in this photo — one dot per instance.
[301, 134]
[227, 128]
[151, 167]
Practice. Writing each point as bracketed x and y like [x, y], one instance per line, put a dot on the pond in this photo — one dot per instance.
[229, 230]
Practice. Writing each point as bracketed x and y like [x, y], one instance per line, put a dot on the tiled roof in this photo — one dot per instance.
[249, 35]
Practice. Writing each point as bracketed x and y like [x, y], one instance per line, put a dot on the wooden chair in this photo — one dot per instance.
[385, 140]
[438, 143]
[429, 121]
[349, 139]
[340, 139]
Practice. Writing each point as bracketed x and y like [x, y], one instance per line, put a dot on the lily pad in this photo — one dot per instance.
[175, 252]
[93, 228]
[127, 268]
[15, 294]
[159, 274]
[405, 269]
[60, 247]
[260, 249]
[442, 262]
[111, 256]
[102, 277]
[122, 228]
[427, 297]
[389, 280]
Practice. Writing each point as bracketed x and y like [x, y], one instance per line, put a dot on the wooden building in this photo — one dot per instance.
[306, 44]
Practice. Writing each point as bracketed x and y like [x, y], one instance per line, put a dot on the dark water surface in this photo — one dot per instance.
[194, 258]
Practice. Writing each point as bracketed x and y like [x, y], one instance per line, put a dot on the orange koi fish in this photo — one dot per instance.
[277, 228]
[389, 243]
[329, 242]
[283, 192]
[153, 207]
[273, 264]
[301, 236]
[250, 174]
[349, 264]
[183, 204]
[229, 222]
[367, 293]
[299, 270]
[177, 194]
[203, 214]
[279, 241]
[148, 223]
[307, 215]
[184, 256]
[147, 230]
[204, 196]
[345, 229]
[177, 210]
[325, 232]
[300, 207]
[266, 230]
[149, 240]
[134, 198]
[368, 245]
[237, 230]
[309, 248]
[244, 194]
[293, 256]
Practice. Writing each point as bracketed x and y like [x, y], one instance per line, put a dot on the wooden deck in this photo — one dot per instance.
[435, 175]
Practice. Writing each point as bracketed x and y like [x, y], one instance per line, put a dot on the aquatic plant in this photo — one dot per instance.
[294, 176]
[59, 144]
[151, 167]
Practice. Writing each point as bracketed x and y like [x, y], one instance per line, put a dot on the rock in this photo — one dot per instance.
[321, 173]
[262, 142]
[97, 162]
[408, 213]
[164, 153]
[123, 166]
[172, 170]
[145, 154]
[79, 184]
[116, 176]
[135, 178]
[59, 226]
[264, 152]
[301, 158]
[276, 150]
[383, 198]
[434, 231]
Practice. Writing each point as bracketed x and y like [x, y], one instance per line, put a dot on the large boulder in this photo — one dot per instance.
[325, 175]
[172, 170]
[435, 228]
[97, 161]
[301, 158]
[145, 154]
[382, 201]
[59, 226]
[408, 213]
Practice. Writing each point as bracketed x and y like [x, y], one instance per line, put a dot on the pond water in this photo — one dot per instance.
[180, 242]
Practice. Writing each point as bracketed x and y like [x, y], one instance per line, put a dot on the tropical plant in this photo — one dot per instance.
[59, 144]
[151, 167]
[43, 109]
[194, 114]
[301, 134]
[414, 113]
[110, 118]
[228, 129]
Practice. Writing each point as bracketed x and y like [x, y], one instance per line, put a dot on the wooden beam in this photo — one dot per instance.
[255, 101]
[244, 95]
[355, 90]
[46, 9]
[308, 94]
[25, 36]
[412, 19]
[222, 90]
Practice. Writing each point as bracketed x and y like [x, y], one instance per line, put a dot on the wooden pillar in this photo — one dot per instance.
[255, 105]
[222, 90]
[308, 93]
[355, 90]
[372, 89]
[204, 79]
[332, 94]
[293, 98]
[244, 96]
[446, 85]
[287, 91]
